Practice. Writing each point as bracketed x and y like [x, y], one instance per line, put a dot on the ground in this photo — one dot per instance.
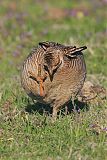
[27, 133]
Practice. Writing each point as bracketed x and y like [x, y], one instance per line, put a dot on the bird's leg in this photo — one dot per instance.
[39, 79]
[74, 105]
[66, 110]
[41, 86]
[54, 114]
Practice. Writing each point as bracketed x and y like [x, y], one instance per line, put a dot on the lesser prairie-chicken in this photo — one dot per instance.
[54, 73]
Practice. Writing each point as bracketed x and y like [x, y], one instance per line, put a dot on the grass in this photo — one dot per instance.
[30, 135]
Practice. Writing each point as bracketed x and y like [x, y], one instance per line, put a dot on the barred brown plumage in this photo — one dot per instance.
[54, 73]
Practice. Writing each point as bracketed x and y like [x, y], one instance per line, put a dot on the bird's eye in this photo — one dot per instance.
[46, 68]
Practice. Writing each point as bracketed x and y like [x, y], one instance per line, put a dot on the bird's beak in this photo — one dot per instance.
[51, 74]
[50, 71]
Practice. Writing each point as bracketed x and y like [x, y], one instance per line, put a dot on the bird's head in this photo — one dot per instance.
[52, 57]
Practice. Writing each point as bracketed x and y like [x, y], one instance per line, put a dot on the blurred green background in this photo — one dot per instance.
[24, 23]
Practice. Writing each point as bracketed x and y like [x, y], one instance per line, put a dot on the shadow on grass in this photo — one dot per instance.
[47, 109]
[39, 108]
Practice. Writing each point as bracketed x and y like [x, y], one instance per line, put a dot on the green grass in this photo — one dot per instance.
[28, 136]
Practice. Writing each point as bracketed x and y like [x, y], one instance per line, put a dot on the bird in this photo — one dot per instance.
[54, 74]
[92, 93]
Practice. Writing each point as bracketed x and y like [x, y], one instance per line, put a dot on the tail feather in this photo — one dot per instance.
[80, 49]
[75, 51]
